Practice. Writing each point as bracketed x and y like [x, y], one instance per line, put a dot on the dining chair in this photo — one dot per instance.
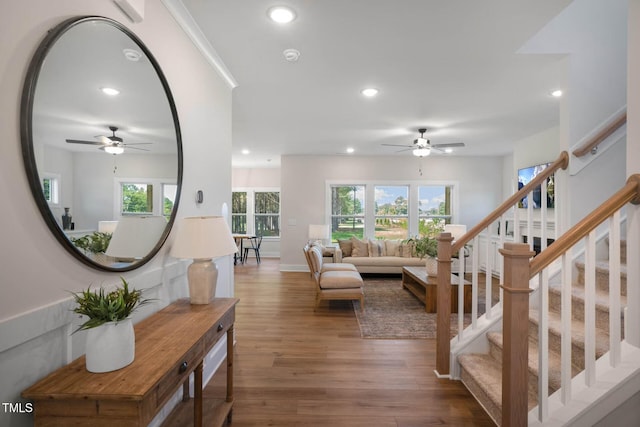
[254, 245]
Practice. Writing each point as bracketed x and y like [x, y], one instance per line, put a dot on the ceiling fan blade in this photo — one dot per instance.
[77, 141]
[450, 145]
[397, 145]
[137, 143]
[135, 148]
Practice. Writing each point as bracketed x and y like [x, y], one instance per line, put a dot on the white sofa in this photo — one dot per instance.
[381, 256]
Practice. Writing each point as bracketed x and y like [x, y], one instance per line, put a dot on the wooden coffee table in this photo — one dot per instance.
[425, 288]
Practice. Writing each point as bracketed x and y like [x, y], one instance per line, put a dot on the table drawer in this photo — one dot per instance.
[216, 332]
[179, 373]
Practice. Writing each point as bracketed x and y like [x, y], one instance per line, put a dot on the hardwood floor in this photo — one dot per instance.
[297, 367]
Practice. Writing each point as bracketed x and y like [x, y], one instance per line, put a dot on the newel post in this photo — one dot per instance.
[443, 328]
[515, 329]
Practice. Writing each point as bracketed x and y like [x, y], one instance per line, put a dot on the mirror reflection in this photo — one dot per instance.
[102, 143]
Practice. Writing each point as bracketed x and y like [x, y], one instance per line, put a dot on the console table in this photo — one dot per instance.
[170, 345]
[425, 288]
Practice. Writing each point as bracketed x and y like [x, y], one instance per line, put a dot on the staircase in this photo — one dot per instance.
[482, 373]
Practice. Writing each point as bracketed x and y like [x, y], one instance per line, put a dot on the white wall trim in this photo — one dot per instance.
[191, 28]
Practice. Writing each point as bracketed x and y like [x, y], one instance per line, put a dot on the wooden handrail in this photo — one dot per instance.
[629, 193]
[586, 148]
[560, 163]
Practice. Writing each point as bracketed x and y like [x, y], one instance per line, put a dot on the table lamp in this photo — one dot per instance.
[319, 232]
[456, 230]
[135, 236]
[203, 238]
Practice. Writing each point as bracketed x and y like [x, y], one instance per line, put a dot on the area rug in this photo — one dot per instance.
[391, 312]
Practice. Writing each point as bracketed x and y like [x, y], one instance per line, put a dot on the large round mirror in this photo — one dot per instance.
[101, 143]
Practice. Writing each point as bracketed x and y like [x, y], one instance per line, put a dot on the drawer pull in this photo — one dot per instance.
[183, 367]
[220, 327]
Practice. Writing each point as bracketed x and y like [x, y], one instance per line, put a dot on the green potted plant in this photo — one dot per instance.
[426, 245]
[96, 242]
[110, 339]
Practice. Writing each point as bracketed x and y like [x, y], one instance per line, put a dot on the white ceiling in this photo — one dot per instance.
[450, 66]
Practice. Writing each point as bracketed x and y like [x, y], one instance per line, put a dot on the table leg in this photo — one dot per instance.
[197, 398]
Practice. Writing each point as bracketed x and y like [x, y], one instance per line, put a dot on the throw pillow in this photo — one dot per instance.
[377, 248]
[360, 247]
[407, 250]
[346, 247]
[392, 247]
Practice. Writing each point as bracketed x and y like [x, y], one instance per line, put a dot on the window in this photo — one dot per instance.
[169, 192]
[434, 204]
[137, 198]
[267, 213]
[142, 196]
[347, 211]
[51, 188]
[388, 210]
[391, 212]
[239, 212]
[256, 211]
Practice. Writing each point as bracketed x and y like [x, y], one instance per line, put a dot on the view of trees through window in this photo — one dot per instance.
[267, 213]
[392, 211]
[255, 212]
[347, 211]
[137, 198]
[239, 212]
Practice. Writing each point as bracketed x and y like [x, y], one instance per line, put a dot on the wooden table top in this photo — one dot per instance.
[162, 339]
[420, 273]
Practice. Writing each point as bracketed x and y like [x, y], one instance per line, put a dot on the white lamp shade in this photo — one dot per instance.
[135, 236]
[203, 237]
[319, 231]
[456, 230]
[107, 226]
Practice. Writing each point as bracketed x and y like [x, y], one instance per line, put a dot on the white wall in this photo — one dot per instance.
[304, 185]
[36, 272]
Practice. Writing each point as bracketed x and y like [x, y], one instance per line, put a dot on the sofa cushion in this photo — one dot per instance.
[345, 246]
[392, 247]
[340, 280]
[360, 248]
[385, 261]
[377, 248]
[407, 250]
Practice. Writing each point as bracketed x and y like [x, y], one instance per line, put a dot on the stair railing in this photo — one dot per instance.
[609, 128]
[516, 308]
[447, 249]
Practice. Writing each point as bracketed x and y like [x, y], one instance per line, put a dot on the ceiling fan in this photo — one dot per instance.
[111, 144]
[422, 147]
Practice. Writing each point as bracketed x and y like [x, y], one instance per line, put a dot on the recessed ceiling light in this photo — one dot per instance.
[369, 92]
[109, 91]
[556, 93]
[245, 151]
[281, 14]
[291, 55]
[350, 150]
[132, 54]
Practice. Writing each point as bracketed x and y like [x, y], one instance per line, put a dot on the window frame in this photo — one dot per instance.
[55, 190]
[158, 195]
[369, 209]
[251, 215]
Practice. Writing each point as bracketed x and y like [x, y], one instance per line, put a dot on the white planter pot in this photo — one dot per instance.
[110, 346]
[432, 266]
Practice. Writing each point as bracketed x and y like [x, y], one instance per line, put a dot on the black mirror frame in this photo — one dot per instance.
[26, 136]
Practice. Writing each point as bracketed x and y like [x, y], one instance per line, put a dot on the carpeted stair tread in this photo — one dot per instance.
[495, 338]
[601, 297]
[482, 376]
[577, 332]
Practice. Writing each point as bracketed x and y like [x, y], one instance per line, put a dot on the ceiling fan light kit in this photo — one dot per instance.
[422, 147]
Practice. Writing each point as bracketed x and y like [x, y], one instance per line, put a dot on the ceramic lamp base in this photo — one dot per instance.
[203, 275]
